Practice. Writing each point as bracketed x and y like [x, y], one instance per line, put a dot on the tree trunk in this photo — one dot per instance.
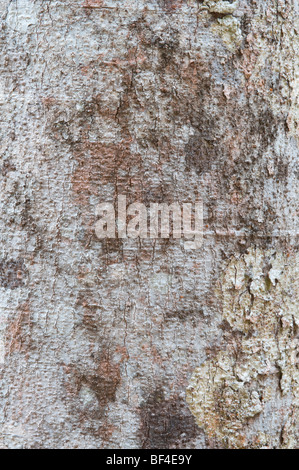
[140, 343]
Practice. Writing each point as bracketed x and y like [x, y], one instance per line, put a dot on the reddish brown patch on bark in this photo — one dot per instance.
[106, 381]
[92, 4]
[106, 431]
[18, 332]
[172, 4]
[103, 380]
[49, 101]
[101, 164]
[91, 320]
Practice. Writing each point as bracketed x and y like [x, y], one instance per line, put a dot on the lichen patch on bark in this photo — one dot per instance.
[257, 368]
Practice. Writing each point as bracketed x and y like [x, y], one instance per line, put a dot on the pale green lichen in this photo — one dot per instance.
[221, 7]
[260, 293]
[228, 28]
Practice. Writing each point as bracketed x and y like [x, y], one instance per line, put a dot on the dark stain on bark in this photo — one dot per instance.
[167, 47]
[88, 313]
[202, 149]
[250, 126]
[170, 5]
[7, 167]
[184, 314]
[166, 423]
[12, 273]
[103, 380]
[112, 245]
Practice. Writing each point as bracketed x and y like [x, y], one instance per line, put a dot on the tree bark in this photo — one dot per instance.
[140, 343]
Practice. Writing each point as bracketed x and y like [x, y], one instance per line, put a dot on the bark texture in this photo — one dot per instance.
[139, 343]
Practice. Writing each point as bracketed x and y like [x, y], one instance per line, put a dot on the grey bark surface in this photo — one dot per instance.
[140, 343]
